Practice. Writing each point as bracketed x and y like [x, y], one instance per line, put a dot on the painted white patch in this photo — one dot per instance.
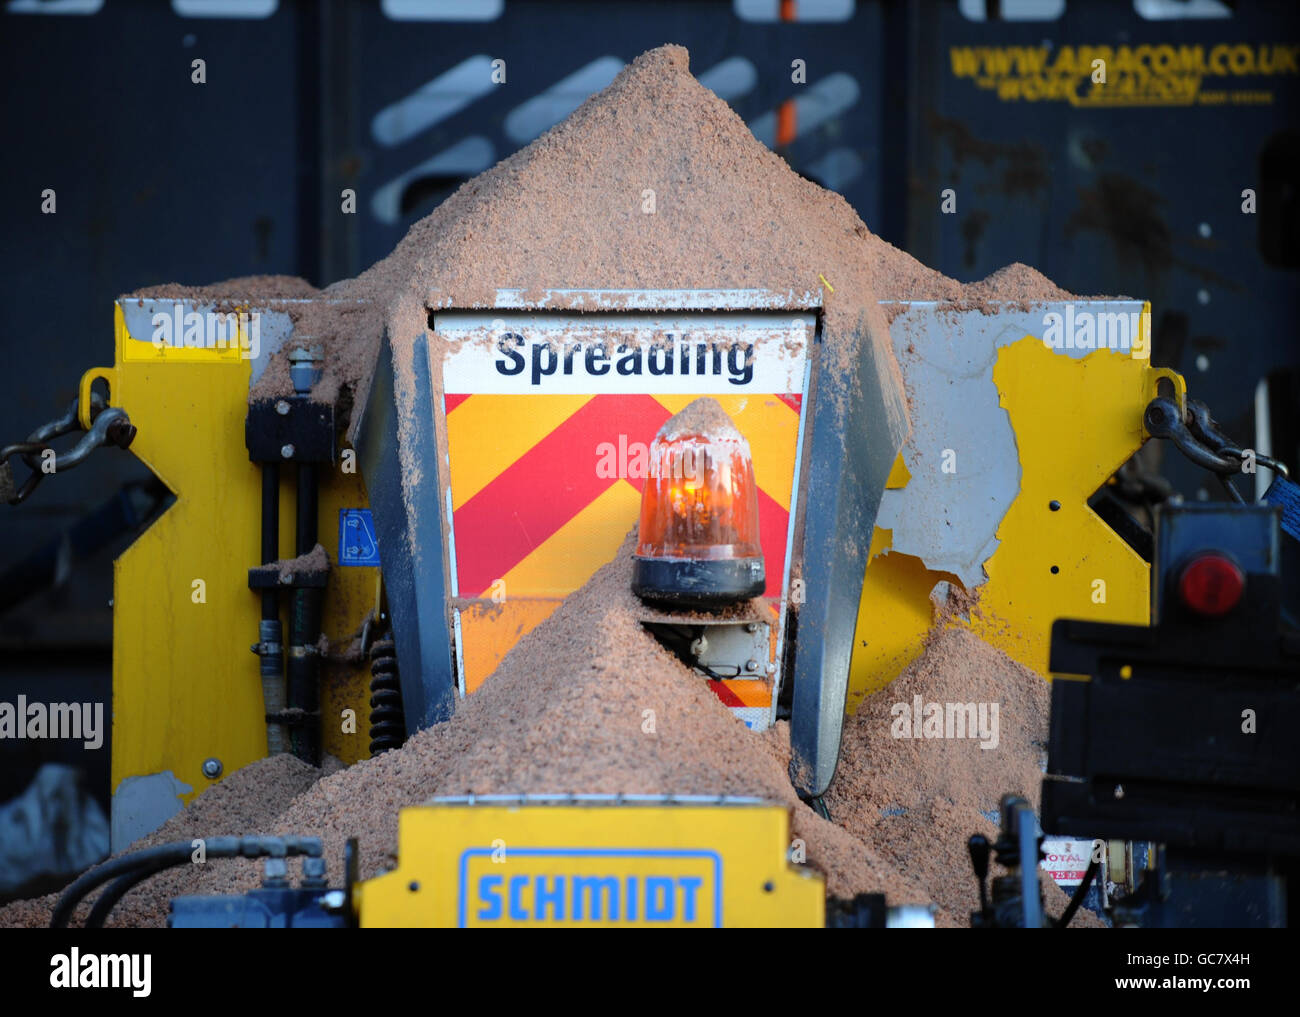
[434, 101]
[542, 112]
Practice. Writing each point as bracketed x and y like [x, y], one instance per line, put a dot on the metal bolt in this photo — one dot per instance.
[305, 367]
[313, 873]
[751, 627]
[751, 665]
[212, 768]
[275, 872]
[286, 451]
[282, 408]
[333, 901]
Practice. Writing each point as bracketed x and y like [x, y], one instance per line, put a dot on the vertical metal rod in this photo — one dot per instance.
[270, 534]
[270, 634]
[307, 508]
[305, 629]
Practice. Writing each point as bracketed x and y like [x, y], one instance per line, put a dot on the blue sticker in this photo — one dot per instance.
[357, 544]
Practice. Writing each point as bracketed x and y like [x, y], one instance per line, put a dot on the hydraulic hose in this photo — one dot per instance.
[140, 865]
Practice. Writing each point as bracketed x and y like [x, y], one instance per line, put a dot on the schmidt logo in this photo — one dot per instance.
[591, 886]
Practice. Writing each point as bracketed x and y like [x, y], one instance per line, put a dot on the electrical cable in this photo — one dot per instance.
[1080, 892]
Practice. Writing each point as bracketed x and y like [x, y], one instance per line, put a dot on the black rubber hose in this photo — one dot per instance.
[121, 886]
[114, 867]
[1080, 892]
[150, 860]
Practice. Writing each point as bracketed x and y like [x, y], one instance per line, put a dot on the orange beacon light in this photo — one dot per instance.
[698, 542]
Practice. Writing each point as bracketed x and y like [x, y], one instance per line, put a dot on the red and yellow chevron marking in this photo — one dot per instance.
[532, 511]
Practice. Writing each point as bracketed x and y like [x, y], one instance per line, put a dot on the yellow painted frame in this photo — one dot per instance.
[438, 842]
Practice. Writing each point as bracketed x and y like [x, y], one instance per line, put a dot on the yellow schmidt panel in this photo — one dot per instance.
[593, 864]
[1076, 421]
[185, 686]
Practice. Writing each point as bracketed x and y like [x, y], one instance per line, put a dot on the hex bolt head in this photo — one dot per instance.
[212, 768]
[751, 665]
[275, 872]
[287, 451]
[313, 873]
[282, 408]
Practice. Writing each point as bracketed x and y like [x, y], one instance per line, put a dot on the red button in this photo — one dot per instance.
[1212, 585]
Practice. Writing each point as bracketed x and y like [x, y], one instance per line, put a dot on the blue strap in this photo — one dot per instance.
[1286, 494]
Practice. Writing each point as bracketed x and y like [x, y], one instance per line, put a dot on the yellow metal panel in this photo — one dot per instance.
[899, 474]
[894, 616]
[185, 686]
[1076, 421]
[555, 865]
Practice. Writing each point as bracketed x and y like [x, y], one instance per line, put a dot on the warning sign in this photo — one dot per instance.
[549, 421]
[1066, 861]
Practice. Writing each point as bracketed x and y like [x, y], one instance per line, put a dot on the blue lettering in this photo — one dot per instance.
[594, 888]
[741, 369]
[597, 357]
[552, 361]
[487, 892]
[516, 363]
[554, 897]
[690, 884]
[517, 912]
[660, 896]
